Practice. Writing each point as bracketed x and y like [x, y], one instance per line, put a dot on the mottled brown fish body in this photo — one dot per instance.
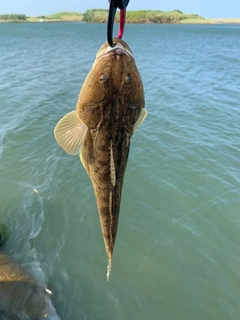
[118, 105]
[109, 110]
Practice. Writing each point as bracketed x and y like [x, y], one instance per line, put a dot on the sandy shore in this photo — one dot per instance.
[226, 20]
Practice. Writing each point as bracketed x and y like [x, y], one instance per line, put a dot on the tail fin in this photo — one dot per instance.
[109, 267]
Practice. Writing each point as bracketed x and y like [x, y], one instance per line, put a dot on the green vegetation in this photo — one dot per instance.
[144, 16]
[175, 16]
[60, 16]
[12, 17]
[140, 16]
[64, 14]
[101, 16]
[96, 15]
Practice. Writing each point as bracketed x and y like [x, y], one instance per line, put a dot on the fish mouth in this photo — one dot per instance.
[120, 48]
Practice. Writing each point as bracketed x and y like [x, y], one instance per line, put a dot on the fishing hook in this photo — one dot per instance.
[114, 4]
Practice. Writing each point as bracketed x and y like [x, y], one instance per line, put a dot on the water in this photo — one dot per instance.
[177, 254]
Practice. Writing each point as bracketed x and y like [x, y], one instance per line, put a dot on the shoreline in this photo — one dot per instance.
[132, 17]
[226, 20]
[208, 21]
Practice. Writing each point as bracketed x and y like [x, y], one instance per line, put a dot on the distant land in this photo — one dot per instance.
[101, 16]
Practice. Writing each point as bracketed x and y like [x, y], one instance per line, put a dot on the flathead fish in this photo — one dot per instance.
[109, 110]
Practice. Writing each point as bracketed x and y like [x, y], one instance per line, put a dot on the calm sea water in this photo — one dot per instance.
[177, 254]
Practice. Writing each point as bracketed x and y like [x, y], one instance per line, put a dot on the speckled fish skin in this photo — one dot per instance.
[109, 105]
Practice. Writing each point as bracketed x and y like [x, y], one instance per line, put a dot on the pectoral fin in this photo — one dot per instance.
[140, 120]
[84, 157]
[70, 133]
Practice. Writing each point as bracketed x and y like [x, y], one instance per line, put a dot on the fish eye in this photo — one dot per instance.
[103, 78]
[128, 78]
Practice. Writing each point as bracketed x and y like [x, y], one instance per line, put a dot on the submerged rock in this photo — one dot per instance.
[21, 296]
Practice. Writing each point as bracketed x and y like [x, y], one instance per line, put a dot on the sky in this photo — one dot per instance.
[205, 8]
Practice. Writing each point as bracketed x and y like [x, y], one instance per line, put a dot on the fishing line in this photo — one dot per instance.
[171, 225]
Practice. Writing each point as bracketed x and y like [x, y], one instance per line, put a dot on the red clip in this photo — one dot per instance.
[122, 23]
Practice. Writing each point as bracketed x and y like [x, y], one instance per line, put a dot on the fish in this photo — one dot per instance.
[109, 110]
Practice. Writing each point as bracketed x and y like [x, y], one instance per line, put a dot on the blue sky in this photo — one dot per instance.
[205, 8]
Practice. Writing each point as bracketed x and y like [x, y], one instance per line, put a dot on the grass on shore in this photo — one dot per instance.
[144, 16]
[13, 18]
[101, 16]
[60, 16]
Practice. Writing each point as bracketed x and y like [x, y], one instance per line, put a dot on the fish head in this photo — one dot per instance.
[113, 82]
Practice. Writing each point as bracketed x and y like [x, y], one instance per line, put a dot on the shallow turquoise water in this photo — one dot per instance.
[177, 254]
